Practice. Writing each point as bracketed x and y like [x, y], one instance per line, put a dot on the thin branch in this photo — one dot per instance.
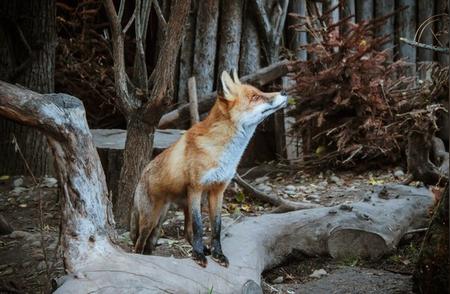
[140, 64]
[281, 204]
[130, 22]
[160, 15]
[263, 20]
[125, 100]
[425, 46]
[121, 9]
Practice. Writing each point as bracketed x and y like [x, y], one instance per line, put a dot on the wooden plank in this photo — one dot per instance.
[115, 138]
[407, 28]
[382, 8]
[364, 10]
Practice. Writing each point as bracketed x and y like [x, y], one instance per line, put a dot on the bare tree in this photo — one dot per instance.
[144, 101]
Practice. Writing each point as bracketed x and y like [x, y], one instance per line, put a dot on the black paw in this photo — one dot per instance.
[206, 250]
[199, 258]
[220, 258]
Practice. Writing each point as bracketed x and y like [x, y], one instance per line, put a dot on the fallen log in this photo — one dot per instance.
[95, 264]
[260, 78]
[363, 229]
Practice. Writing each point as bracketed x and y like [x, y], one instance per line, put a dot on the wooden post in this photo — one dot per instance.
[298, 38]
[193, 101]
[425, 10]
[382, 8]
[407, 22]
[364, 10]
[349, 9]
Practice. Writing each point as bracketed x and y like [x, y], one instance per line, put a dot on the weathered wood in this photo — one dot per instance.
[431, 274]
[382, 8]
[297, 39]
[259, 78]
[442, 26]
[364, 10]
[230, 35]
[425, 9]
[187, 55]
[193, 101]
[363, 229]
[250, 57]
[205, 45]
[86, 222]
[407, 22]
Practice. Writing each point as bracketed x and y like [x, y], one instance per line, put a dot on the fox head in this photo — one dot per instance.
[247, 106]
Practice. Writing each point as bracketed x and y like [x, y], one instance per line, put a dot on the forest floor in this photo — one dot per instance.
[30, 257]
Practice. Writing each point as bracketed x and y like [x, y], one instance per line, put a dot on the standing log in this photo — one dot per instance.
[86, 223]
[442, 27]
[297, 39]
[187, 55]
[432, 268]
[250, 57]
[205, 45]
[425, 9]
[364, 10]
[193, 101]
[349, 9]
[27, 57]
[407, 21]
[382, 8]
[230, 35]
[364, 229]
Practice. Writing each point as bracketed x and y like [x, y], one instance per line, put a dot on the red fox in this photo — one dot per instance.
[204, 159]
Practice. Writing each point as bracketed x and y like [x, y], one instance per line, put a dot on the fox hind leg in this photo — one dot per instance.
[153, 239]
[146, 225]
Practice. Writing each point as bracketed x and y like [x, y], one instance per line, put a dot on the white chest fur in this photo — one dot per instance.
[230, 157]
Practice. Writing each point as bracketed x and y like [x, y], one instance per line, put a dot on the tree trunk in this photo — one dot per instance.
[425, 10]
[230, 35]
[442, 27]
[432, 269]
[297, 39]
[250, 57]
[205, 45]
[187, 55]
[364, 10]
[137, 153]
[407, 21]
[27, 57]
[382, 8]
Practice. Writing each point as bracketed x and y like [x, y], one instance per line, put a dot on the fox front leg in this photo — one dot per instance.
[215, 211]
[194, 209]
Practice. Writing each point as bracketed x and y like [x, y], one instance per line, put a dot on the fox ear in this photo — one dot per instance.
[235, 77]
[228, 86]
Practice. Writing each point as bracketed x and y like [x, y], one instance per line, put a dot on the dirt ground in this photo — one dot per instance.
[30, 257]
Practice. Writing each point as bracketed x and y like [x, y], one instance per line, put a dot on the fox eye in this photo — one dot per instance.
[255, 98]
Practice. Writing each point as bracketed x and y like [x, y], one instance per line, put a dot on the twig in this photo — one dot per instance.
[425, 46]
[160, 16]
[130, 22]
[281, 204]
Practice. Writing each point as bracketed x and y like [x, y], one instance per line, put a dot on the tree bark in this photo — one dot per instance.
[187, 55]
[432, 269]
[136, 155]
[27, 57]
[297, 39]
[407, 21]
[382, 8]
[364, 10]
[230, 35]
[425, 10]
[250, 57]
[205, 45]
[363, 229]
